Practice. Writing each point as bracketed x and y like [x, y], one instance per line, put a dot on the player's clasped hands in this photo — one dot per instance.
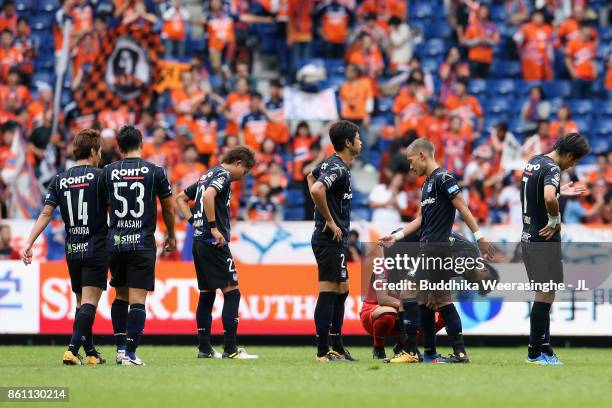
[336, 231]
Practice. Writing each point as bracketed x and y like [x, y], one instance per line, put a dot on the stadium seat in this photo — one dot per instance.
[603, 109]
[42, 76]
[431, 64]
[438, 29]
[294, 214]
[42, 22]
[500, 86]
[498, 105]
[47, 5]
[385, 104]
[362, 213]
[334, 66]
[581, 106]
[420, 10]
[431, 48]
[602, 128]
[505, 69]
[295, 197]
[523, 88]
[556, 89]
[498, 14]
[24, 5]
[477, 86]
[600, 144]
[605, 34]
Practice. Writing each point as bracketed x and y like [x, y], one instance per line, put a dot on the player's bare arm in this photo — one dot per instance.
[182, 202]
[552, 208]
[485, 246]
[209, 210]
[317, 192]
[411, 228]
[41, 223]
[168, 210]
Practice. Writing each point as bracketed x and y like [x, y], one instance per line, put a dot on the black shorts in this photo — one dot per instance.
[215, 267]
[133, 269]
[543, 261]
[91, 271]
[434, 259]
[331, 261]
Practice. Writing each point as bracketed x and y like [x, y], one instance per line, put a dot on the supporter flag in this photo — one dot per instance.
[125, 70]
[18, 174]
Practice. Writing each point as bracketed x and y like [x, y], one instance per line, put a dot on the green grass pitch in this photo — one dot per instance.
[290, 377]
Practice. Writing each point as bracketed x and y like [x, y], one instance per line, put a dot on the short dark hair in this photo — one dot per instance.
[574, 144]
[240, 153]
[129, 138]
[503, 126]
[256, 95]
[395, 21]
[342, 131]
[84, 142]
[276, 83]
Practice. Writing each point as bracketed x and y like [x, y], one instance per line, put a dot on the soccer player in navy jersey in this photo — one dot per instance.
[440, 199]
[79, 192]
[541, 236]
[330, 188]
[214, 263]
[133, 186]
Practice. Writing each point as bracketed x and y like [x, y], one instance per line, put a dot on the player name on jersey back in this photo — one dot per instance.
[133, 185]
[80, 195]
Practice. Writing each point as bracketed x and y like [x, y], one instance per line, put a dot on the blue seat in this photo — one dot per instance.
[602, 128]
[43, 76]
[604, 109]
[498, 105]
[431, 64]
[583, 124]
[557, 89]
[319, 62]
[42, 22]
[431, 48]
[438, 29]
[603, 51]
[334, 66]
[47, 5]
[505, 69]
[24, 5]
[605, 34]
[581, 106]
[600, 143]
[362, 213]
[294, 214]
[477, 86]
[385, 104]
[421, 10]
[498, 14]
[500, 87]
[380, 120]
[334, 81]
[295, 197]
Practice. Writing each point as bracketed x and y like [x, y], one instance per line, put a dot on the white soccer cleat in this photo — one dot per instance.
[132, 361]
[240, 354]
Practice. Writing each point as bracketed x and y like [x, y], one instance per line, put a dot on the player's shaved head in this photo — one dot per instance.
[422, 145]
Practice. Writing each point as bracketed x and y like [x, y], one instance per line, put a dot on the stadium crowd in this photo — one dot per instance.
[490, 83]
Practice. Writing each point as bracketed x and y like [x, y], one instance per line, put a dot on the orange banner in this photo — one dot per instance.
[276, 299]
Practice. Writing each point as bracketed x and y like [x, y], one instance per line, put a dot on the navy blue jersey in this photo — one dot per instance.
[80, 194]
[336, 177]
[219, 179]
[437, 210]
[132, 186]
[540, 171]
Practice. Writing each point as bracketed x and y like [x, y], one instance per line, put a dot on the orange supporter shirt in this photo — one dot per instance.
[608, 81]
[567, 31]
[204, 131]
[467, 108]
[582, 54]
[238, 106]
[595, 176]
[456, 150]
[85, 56]
[20, 93]
[277, 129]
[254, 126]
[370, 63]
[114, 119]
[165, 155]
[558, 129]
[478, 31]
[301, 154]
[299, 27]
[183, 175]
[8, 23]
[9, 58]
[220, 29]
[174, 27]
[434, 129]
[83, 18]
[335, 25]
[383, 9]
[354, 98]
[536, 53]
[410, 112]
